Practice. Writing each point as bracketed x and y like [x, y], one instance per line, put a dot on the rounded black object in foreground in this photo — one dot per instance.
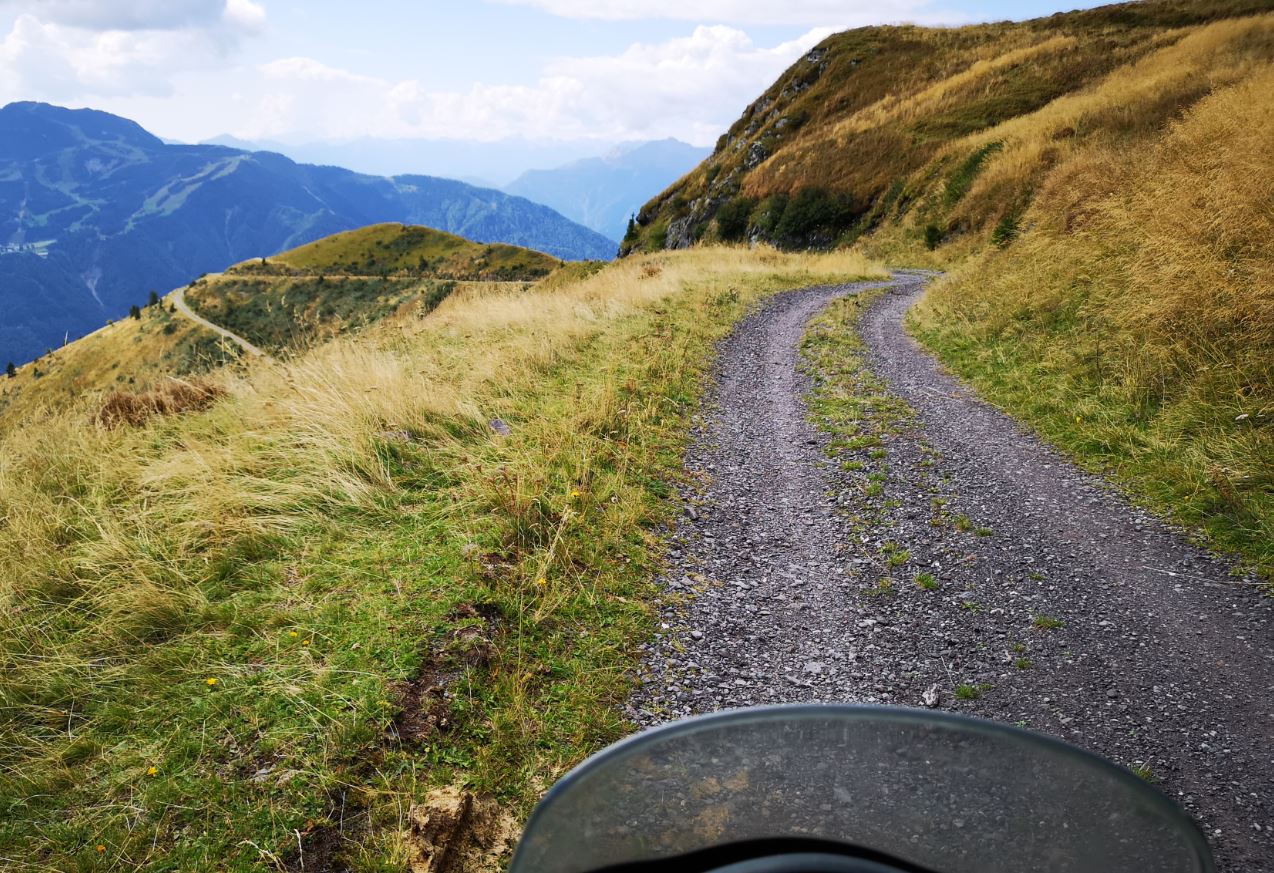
[902, 789]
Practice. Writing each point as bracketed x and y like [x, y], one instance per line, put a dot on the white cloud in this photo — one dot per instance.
[63, 49]
[850, 13]
[690, 87]
[244, 14]
[102, 15]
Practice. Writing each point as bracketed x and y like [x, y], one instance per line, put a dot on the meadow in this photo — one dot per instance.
[418, 555]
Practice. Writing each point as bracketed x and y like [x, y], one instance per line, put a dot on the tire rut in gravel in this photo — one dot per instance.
[1058, 606]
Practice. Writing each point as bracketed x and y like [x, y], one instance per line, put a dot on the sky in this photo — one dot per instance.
[288, 71]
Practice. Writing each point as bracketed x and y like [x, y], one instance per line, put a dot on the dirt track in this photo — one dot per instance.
[1152, 654]
[179, 301]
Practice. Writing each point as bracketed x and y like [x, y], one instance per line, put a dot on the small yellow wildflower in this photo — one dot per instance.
[305, 642]
[152, 771]
[541, 582]
[292, 634]
[100, 848]
[210, 681]
[574, 493]
[1079, 419]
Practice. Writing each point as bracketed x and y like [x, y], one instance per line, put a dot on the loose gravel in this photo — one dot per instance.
[1050, 601]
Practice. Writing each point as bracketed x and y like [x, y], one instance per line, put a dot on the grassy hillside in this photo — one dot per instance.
[1132, 321]
[1097, 183]
[129, 355]
[348, 280]
[414, 556]
[401, 249]
[889, 126]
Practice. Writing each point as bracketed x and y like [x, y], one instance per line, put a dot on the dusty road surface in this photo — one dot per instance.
[1048, 600]
[179, 301]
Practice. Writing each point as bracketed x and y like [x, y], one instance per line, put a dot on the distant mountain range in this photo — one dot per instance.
[486, 164]
[96, 212]
[603, 192]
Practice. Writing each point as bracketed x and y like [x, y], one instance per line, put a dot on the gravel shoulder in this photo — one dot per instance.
[1049, 601]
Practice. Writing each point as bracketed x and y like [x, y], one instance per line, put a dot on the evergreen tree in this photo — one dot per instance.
[153, 299]
[135, 311]
[11, 370]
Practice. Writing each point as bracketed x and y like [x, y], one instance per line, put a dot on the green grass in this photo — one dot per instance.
[1163, 460]
[390, 249]
[926, 582]
[848, 401]
[971, 692]
[291, 313]
[311, 610]
[1046, 622]
[882, 587]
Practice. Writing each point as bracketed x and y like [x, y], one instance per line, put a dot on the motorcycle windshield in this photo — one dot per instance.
[939, 791]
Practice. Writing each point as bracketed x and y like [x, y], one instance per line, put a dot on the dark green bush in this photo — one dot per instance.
[732, 218]
[768, 213]
[933, 236]
[1005, 230]
[813, 213]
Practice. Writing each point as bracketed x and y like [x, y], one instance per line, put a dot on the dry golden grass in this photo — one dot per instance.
[1125, 109]
[882, 118]
[129, 355]
[170, 397]
[289, 440]
[302, 540]
[1139, 301]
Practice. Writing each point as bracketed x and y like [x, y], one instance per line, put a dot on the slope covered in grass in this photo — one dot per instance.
[1133, 319]
[888, 126]
[411, 250]
[287, 314]
[229, 631]
[131, 354]
[352, 279]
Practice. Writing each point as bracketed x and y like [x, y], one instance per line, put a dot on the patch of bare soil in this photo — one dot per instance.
[456, 831]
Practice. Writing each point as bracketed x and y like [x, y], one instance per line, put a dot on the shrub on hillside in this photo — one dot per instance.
[814, 216]
[172, 397]
[1005, 230]
[732, 218]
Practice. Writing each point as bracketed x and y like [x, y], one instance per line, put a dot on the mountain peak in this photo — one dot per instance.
[29, 129]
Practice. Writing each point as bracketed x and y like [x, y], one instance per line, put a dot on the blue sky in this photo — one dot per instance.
[332, 70]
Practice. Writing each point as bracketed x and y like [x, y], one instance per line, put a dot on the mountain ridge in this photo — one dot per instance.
[603, 192]
[100, 212]
[870, 122]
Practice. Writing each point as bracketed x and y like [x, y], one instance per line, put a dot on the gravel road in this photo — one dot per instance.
[178, 298]
[1057, 606]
